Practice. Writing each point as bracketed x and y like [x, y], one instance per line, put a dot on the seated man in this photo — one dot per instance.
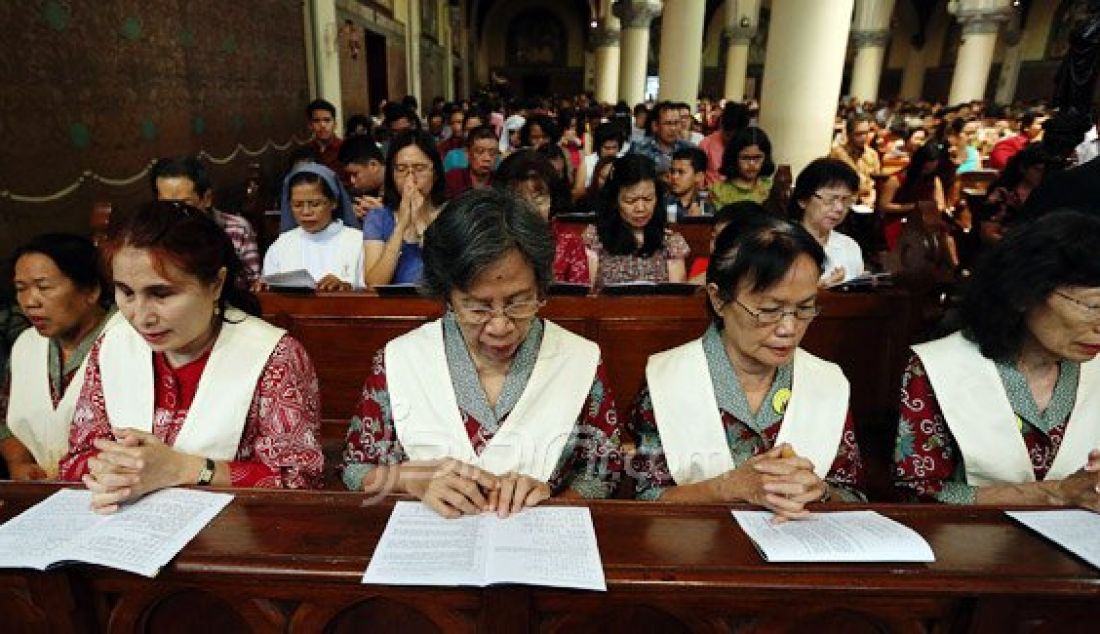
[322, 123]
[482, 150]
[457, 158]
[365, 169]
[666, 137]
[686, 196]
[183, 178]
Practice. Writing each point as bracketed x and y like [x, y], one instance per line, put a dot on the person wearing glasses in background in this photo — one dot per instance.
[743, 414]
[747, 167]
[412, 194]
[488, 408]
[823, 193]
[1007, 410]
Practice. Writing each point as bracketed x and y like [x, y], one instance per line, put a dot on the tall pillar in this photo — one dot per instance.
[326, 55]
[742, 18]
[870, 34]
[980, 20]
[681, 50]
[412, 55]
[1010, 67]
[607, 58]
[912, 76]
[803, 69]
[635, 16]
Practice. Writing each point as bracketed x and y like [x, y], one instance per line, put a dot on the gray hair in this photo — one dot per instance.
[477, 229]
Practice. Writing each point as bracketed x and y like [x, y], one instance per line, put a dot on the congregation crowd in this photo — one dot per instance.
[147, 365]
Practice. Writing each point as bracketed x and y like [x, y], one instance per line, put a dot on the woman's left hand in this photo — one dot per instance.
[790, 484]
[132, 465]
[517, 491]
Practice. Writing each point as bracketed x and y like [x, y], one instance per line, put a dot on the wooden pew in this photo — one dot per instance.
[868, 334]
[284, 561]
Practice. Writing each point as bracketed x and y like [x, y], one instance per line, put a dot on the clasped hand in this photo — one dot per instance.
[455, 488]
[131, 465]
[1082, 488]
[782, 485]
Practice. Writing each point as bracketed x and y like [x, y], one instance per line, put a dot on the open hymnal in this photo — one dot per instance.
[299, 278]
[140, 537]
[1075, 530]
[841, 536]
[544, 546]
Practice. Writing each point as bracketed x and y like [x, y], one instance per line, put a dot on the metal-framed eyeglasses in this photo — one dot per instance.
[480, 315]
[771, 316]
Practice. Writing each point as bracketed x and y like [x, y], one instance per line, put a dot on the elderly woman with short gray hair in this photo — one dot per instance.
[489, 408]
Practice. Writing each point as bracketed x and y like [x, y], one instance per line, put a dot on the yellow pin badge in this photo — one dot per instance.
[780, 400]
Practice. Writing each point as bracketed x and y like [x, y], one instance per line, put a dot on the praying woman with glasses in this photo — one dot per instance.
[823, 194]
[489, 408]
[1006, 411]
[743, 414]
[413, 191]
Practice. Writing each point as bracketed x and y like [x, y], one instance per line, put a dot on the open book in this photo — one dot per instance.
[1076, 530]
[298, 279]
[839, 536]
[140, 537]
[544, 546]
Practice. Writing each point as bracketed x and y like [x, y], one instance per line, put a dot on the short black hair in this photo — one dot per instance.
[697, 157]
[744, 138]
[726, 213]
[526, 163]
[360, 150]
[819, 173]
[618, 239]
[609, 131]
[1020, 273]
[320, 104]
[359, 121]
[475, 230]
[735, 116]
[855, 119]
[480, 133]
[75, 256]
[758, 248]
[188, 167]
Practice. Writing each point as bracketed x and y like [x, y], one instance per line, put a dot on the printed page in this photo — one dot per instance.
[421, 548]
[299, 278]
[34, 538]
[142, 537]
[1074, 530]
[546, 546]
[844, 536]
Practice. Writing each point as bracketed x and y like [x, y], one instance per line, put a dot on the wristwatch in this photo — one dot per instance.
[206, 476]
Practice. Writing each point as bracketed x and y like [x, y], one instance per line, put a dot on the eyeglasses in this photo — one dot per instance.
[751, 158]
[516, 311]
[832, 201]
[1092, 311]
[416, 168]
[769, 316]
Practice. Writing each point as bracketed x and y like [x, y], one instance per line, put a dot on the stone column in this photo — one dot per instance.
[807, 40]
[980, 20]
[1010, 67]
[412, 55]
[742, 19]
[607, 59]
[635, 16]
[870, 34]
[682, 50]
[326, 55]
[912, 76]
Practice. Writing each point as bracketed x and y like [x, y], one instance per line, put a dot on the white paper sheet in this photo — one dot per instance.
[140, 537]
[547, 546]
[842, 536]
[1078, 530]
[299, 278]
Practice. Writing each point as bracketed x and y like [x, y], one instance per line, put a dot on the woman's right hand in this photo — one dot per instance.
[455, 488]
[1082, 488]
